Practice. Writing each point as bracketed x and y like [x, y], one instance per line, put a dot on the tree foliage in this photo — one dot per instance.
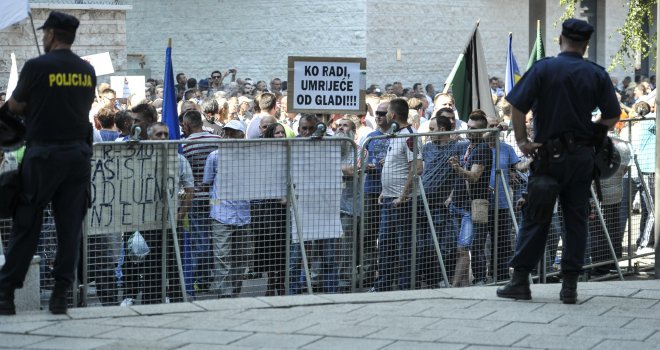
[634, 39]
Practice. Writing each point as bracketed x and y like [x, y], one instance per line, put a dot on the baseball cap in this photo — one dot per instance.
[576, 29]
[244, 99]
[60, 20]
[235, 125]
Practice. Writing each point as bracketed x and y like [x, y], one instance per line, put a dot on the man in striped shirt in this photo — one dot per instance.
[197, 153]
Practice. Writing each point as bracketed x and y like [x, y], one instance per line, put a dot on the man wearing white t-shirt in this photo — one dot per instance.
[397, 178]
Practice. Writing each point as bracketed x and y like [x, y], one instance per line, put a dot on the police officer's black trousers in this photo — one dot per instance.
[573, 172]
[57, 173]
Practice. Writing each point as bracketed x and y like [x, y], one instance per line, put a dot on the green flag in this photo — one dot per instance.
[469, 80]
[538, 51]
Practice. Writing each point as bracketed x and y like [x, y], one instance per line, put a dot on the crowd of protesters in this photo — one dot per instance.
[235, 240]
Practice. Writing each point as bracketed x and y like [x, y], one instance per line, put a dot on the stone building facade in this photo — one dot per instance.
[408, 41]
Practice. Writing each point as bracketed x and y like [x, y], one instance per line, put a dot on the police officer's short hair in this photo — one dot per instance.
[64, 36]
[210, 106]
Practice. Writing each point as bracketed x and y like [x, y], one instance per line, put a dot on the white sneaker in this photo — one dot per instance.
[645, 250]
[127, 302]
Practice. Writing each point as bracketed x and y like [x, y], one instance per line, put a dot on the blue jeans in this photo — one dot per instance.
[329, 267]
[428, 267]
[394, 244]
[472, 236]
[200, 241]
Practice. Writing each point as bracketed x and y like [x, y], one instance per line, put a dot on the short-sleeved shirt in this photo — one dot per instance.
[108, 135]
[58, 88]
[563, 91]
[228, 212]
[477, 154]
[508, 158]
[196, 153]
[397, 162]
[376, 151]
[438, 177]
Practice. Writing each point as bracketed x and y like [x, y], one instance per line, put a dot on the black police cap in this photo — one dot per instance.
[576, 29]
[60, 20]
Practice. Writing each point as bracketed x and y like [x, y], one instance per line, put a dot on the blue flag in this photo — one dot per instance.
[170, 117]
[512, 71]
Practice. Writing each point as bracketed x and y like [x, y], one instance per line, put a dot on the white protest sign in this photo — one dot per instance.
[241, 171]
[126, 86]
[258, 170]
[101, 62]
[129, 191]
[326, 84]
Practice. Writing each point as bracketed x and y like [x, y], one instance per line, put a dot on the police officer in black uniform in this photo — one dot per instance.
[562, 91]
[54, 93]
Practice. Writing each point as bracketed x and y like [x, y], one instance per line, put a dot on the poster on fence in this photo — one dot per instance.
[326, 84]
[131, 187]
[259, 170]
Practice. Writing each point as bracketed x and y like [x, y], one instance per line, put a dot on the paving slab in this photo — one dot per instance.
[16, 341]
[207, 337]
[614, 333]
[615, 315]
[284, 341]
[94, 312]
[142, 333]
[409, 345]
[74, 329]
[65, 343]
[23, 327]
[157, 309]
[398, 333]
[339, 330]
[273, 326]
[627, 345]
[228, 304]
[295, 300]
[499, 338]
[547, 342]
[333, 343]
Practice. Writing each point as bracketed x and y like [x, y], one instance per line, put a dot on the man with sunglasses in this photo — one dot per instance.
[376, 151]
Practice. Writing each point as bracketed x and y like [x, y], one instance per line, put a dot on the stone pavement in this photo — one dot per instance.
[609, 315]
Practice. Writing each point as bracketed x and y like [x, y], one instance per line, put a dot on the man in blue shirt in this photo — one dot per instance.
[376, 151]
[502, 240]
[563, 91]
[230, 228]
[438, 181]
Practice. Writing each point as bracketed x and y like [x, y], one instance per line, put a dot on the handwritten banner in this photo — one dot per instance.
[131, 187]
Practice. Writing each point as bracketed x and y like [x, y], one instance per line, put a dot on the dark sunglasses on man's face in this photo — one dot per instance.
[216, 77]
[381, 114]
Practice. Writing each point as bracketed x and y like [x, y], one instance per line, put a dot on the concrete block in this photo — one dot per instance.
[28, 297]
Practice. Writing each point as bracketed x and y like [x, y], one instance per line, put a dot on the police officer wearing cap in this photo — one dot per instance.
[562, 92]
[54, 94]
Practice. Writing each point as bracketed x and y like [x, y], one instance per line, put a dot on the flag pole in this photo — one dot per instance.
[34, 31]
[169, 43]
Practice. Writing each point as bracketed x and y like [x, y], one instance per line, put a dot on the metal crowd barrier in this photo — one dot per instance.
[314, 228]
